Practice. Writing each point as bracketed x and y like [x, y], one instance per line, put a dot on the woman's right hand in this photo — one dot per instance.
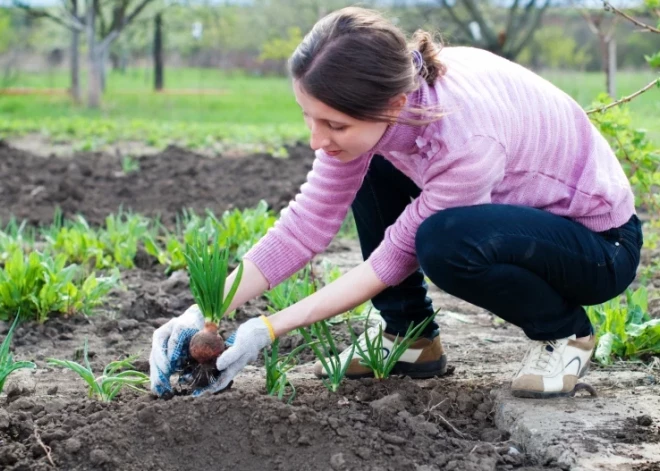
[169, 348]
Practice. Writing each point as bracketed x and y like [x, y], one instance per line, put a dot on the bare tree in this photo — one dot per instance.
[603, 25]
[67, 15]
[100, 34]
[509, 39]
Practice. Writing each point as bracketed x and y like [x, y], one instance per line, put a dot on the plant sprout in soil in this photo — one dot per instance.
[207, 267]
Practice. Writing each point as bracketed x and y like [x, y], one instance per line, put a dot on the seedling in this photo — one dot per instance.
[207, 267]
[169, 247]
[242, 229]
[373, 354]
[129, 165]
[327, 354]
[277, 367]
[115, 376]
[7, 363]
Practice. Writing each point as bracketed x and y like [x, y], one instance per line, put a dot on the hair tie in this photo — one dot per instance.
[418, 60]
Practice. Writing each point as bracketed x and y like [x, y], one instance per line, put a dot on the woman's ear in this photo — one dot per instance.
[397, 104]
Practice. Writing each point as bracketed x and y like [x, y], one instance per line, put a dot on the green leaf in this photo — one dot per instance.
[604, 349]
[653, 60]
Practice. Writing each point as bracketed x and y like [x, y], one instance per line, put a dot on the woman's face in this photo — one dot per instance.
[339, 135]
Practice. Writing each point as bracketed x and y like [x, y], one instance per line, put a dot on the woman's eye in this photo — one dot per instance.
[337, 128]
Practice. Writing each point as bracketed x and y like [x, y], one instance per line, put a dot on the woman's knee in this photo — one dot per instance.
[438, 239]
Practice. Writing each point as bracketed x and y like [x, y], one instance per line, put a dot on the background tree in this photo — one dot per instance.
[100, 31]
[506, 36]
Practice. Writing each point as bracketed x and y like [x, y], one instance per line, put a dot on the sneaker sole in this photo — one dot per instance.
[526, 394]
[424, 370]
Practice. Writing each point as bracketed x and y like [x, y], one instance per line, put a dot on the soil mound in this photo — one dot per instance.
[94, 184]
[391, 425]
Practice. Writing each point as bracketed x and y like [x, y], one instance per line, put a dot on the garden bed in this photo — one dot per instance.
[442, 423]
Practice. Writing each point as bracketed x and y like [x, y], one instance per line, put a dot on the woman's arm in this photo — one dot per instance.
[350, 290]
[253, 283]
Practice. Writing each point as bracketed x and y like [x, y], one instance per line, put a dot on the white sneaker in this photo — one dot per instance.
[552, 368]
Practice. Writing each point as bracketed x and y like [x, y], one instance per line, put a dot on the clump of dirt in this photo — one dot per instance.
[634, 431]
[367, 425]
[93, 184]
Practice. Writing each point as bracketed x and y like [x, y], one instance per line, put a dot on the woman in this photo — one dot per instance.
[459, 165]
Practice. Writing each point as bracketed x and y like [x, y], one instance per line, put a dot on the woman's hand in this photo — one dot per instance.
[251, 337]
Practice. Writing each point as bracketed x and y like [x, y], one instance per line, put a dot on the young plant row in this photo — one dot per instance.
[624, 331]
[318, 337]
[53, 269]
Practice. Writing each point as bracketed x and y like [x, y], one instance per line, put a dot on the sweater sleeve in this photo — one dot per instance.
[310, 222]
[463, 176]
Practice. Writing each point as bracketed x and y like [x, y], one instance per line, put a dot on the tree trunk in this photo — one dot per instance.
[611, 67]
[74, 57]
[103, 57]
[158, 53]
[94, 82]
[603, 44]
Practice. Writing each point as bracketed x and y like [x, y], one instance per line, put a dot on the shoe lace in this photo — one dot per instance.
[544, 355]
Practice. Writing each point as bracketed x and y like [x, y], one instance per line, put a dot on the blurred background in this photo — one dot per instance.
[212, 74]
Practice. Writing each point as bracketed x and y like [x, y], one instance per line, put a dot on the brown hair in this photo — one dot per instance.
[356, 61]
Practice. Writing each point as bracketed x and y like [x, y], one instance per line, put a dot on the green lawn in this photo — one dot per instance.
[236, 109]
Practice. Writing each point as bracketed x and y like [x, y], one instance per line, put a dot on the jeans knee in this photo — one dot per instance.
[445, 249]
[432, 245]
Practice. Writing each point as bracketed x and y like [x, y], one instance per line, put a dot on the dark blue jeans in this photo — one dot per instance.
[533, 269]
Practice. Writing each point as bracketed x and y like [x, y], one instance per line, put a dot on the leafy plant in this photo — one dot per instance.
[277, 367]
[638, 156]
[208, 269]
[327, 354]
[241, 229]
[38, 284]
[80, 243]
[116, 375]
[372, 353]
[168, 248]
[121, 236]
[625, 331]
[7, 363]
[16, 236]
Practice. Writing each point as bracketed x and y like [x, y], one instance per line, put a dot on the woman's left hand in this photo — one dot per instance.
[251, 337]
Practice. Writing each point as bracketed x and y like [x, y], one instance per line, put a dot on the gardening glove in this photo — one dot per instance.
[251, 337]
[169, 349]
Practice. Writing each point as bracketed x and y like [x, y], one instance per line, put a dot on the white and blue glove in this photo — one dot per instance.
[169, 349]
[251, 337]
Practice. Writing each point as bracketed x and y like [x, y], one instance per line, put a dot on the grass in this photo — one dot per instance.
[227, 98]
[235, 110]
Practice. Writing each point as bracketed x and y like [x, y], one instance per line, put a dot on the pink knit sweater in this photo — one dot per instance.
[508, 137]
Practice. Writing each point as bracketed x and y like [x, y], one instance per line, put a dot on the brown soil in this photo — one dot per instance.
[93, 184]
[444, 423]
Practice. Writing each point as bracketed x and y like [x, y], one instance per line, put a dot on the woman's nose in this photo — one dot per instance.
[318, 139]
